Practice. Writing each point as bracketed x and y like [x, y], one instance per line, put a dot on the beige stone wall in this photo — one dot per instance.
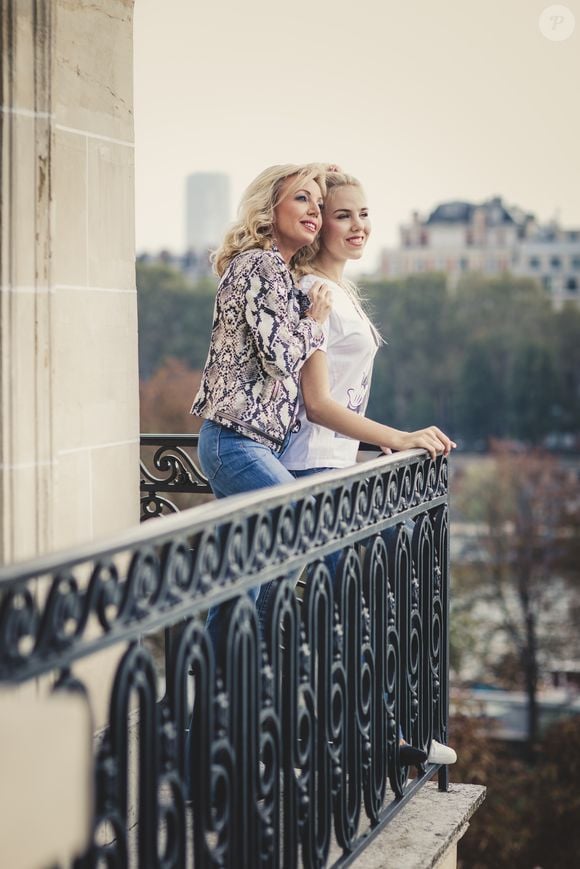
[69, 421]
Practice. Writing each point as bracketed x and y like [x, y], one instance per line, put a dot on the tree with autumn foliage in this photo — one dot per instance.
[166, 398]
[530, 814]
[524, 557]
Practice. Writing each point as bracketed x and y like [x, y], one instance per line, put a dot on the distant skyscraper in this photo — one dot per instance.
[207, 209]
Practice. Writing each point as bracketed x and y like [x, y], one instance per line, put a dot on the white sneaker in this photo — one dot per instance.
[439, 753]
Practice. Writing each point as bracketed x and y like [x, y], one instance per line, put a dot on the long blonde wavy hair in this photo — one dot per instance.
[254, 226]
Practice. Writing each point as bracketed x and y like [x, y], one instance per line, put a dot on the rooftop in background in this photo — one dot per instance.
[490, 237]
[462, 212]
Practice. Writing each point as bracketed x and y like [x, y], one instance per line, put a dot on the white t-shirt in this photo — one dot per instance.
[350, 346]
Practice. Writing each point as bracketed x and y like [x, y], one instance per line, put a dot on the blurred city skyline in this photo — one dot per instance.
[424, 103]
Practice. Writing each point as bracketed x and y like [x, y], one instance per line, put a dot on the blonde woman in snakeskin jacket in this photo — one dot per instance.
[263, 332]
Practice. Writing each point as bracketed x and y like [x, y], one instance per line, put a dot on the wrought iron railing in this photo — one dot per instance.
[295, 749]
[169, 468]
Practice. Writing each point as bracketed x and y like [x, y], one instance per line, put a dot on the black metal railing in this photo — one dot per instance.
[169, 469]
[294, 751]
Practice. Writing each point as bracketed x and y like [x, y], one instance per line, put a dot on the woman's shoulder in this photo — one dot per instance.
[256, 260]
[306, 281]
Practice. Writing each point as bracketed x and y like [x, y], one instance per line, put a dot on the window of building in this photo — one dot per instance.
[534, 262]
[555, 262]
[547, 282]
[575, 262]
[572, 285]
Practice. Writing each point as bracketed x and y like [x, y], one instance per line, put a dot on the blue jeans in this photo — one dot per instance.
[233, 464]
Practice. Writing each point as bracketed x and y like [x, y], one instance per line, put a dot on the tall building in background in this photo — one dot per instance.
[207, 208]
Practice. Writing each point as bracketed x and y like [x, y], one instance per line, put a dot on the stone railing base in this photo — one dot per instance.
[425, 834]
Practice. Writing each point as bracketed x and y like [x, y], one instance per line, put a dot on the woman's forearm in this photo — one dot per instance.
[330, 414]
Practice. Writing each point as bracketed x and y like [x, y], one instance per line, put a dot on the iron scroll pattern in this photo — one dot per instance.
[171, 470]
[293, 757]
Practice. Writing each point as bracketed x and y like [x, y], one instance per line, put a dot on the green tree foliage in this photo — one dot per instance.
[489, 359]
[533, 389]
[482, 399]
[412, 372]
[566, 330]
[175, 317]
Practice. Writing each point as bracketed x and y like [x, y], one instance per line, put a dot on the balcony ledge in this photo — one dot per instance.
[425, 833]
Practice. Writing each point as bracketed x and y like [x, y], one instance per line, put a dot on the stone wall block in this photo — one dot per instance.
[111, 224]
[94, 72]
[22, 397]
[70, 209]
[115, 481]
[73, 520]
[22, 529]
[23, 90]
[96, 389]
[22, 192]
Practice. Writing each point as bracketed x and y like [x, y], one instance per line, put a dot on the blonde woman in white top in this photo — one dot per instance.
[335, 379]
[334, 393]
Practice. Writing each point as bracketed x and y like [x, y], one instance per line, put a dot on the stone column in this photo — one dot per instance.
[69, 421]
[27, 454]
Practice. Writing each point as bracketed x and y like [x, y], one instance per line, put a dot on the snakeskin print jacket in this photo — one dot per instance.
[258, 344]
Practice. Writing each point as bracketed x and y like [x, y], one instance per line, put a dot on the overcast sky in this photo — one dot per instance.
[424, 101]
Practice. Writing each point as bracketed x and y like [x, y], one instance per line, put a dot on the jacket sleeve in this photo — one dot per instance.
[283, 346]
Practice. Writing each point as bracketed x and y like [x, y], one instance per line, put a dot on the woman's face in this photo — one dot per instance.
[346, 226]
[297, 217]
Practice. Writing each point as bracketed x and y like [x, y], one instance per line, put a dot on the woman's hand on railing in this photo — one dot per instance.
[431, 439]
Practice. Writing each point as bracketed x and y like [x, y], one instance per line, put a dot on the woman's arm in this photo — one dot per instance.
[322, 409]
[283, 346]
